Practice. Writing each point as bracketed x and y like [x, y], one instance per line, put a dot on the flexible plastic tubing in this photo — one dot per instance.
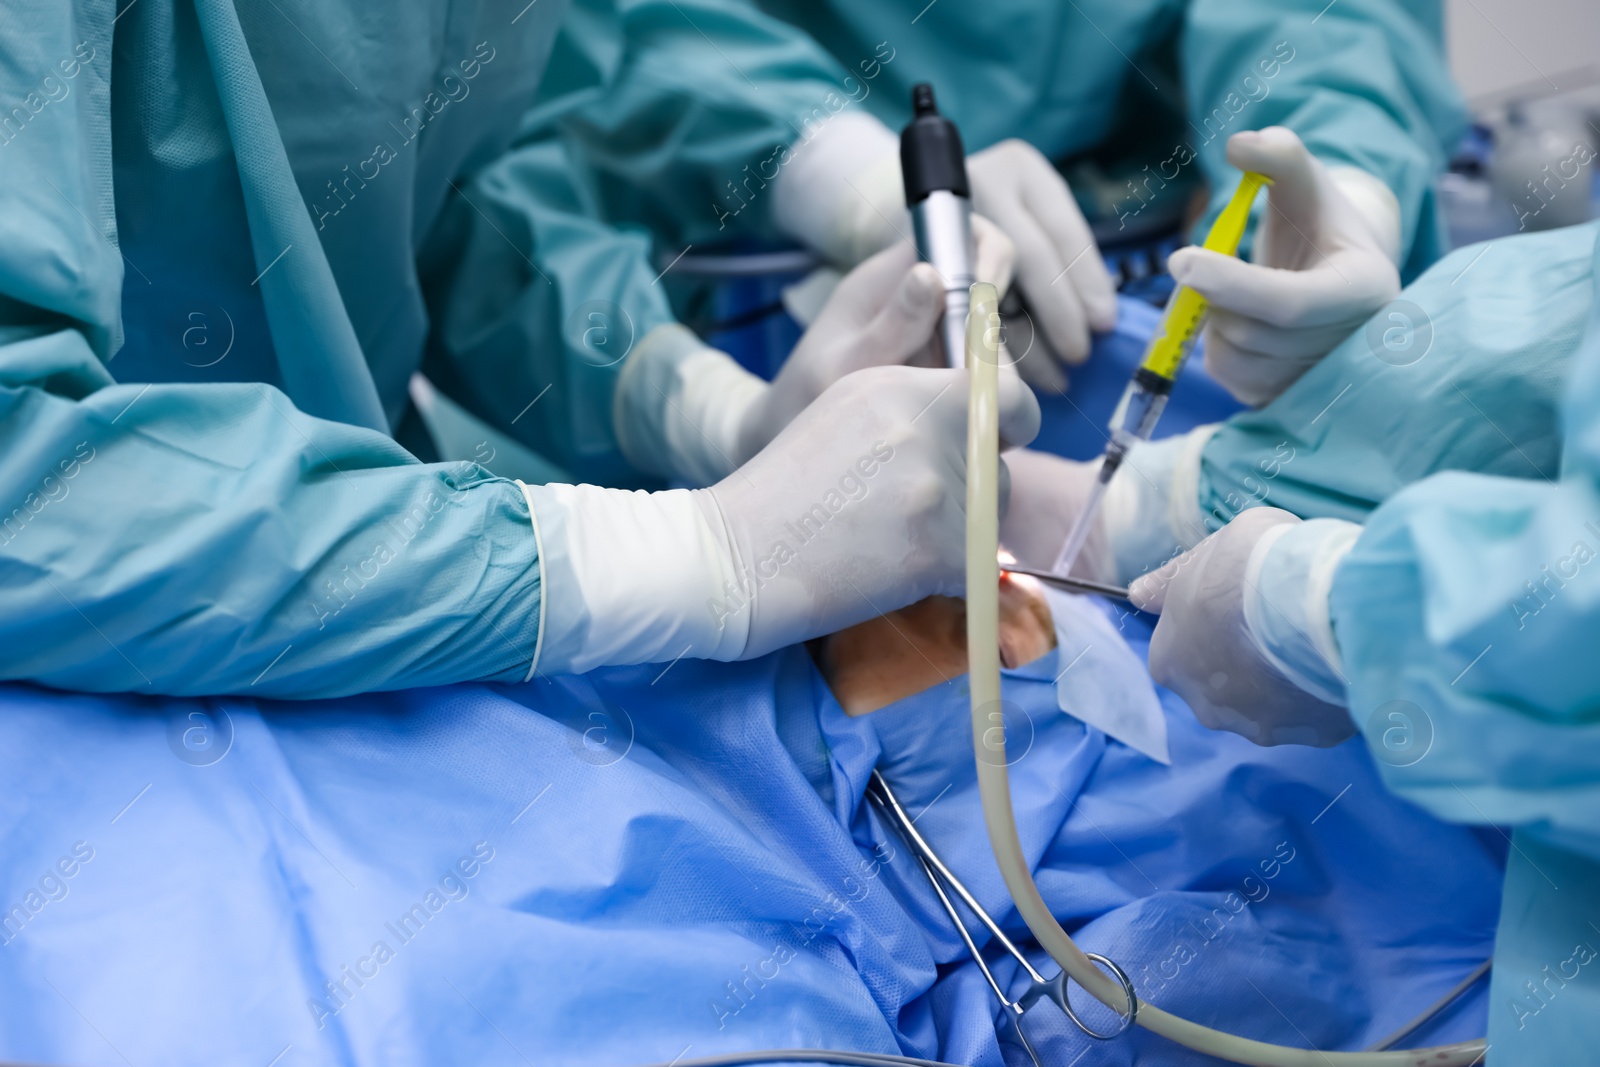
[988, 739]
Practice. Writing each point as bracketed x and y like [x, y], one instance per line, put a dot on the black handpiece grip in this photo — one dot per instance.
[931, 155]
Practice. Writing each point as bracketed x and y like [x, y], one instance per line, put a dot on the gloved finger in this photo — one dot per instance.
[996, 257]
[1316, 296]
[1057, 310]
[930, 355]
[1005, 488]
[1278, 152]
[862, 292]
[1265, 339]
[940, 396]
[1052, 204]
[1148, 592]
[1019, 411]
[1008, 373]
[1027, 527]
[1251, 378]
[1039, 369]
[905, 322]
[1029, 354]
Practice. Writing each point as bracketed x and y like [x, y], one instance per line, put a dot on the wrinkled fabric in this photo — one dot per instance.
[1102, 682]
[210, 307]
[634, 865]
[1460, 427]
[1164, 82]
[1465, 371]
[1075, 424]
[217, 283]
[210, 278]
[679, 111]
[1471, 604]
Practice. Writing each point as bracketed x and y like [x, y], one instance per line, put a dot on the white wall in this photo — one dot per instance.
[1496, 45]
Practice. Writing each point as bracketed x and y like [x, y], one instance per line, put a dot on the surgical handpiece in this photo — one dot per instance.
[1146, 396]
[933, 165]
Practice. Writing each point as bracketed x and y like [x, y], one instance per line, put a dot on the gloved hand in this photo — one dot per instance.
[856, 508]
[1059, 269]
[841, 194]
[883, 313]
[1047, 492]
[1149, 514]
[1324, 261]
[688, 411]
[1244, 635]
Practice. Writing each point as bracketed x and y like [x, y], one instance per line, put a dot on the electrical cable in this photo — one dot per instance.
[1433, 1009]
[805, 1055]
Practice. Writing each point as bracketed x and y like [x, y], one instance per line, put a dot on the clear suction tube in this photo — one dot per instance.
[988, 739]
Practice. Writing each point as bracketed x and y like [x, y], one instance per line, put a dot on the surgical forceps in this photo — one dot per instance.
[1039, 987]
[1071, 585]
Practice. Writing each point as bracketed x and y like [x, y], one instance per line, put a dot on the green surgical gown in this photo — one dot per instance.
[230, 233]
[1462, 427]
[1160, 83]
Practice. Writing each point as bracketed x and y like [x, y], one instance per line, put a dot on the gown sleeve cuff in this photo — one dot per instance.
[1287, 583]
[1375, 202]
[631, 577]
[840, 190]
[680, 405]
[1152, 506]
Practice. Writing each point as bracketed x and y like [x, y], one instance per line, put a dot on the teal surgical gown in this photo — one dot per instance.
[1160, 83]
[217, 279]
[1462, 427]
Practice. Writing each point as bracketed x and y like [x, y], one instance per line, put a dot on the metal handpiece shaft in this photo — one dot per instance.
[933, 165]
[942, 223]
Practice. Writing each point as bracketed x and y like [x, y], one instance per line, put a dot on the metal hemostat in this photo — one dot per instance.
[1039, 987]
[1071, 585]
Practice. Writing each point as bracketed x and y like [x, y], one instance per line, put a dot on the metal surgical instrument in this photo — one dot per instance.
[933, 165]
[1071, 585]
[1039, 987]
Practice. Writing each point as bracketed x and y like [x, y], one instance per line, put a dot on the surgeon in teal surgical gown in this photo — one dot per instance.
[1407, 547]
[1135, 100]
[232, 230]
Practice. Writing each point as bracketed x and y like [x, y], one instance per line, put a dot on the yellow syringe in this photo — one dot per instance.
[1151, 385]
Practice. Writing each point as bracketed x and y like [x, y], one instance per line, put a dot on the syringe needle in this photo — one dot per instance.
[1146, 395]
[1080, 530]
[1078, 536]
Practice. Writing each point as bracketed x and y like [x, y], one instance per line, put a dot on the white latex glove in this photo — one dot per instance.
[883, 313]
[1149, 514]
[1059, 269]
[1047, 492]
[856, 508]
[686, 410]
[1229, 611]
[1324, 261]
[840, 193]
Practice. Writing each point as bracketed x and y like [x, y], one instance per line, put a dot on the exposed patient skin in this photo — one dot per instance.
[875, 663]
